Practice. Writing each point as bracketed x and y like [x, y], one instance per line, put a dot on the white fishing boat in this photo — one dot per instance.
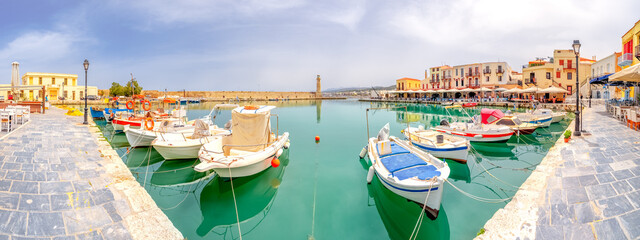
[542, 120]
[250, 149]
[438, 144]
[555, 116]
[186, 145]
[478, 131]
[407, 171]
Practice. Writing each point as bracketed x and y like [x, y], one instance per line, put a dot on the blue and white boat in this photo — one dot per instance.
[110, 113]
[407, 171]
[555, 116]
[96, 112]
[540, 119]
[438, 144]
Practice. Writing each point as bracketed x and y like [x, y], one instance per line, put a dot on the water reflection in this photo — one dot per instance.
[253, 195]
[399, 215]
[140, 157]
[174, 173]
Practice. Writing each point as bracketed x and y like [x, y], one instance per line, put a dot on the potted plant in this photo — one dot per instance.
[567, 135]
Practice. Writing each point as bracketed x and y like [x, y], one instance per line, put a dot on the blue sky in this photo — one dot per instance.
[280, 45]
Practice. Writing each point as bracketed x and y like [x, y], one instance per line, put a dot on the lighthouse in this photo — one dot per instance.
[318, 91]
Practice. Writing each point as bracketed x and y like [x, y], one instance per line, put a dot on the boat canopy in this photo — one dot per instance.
[490, 115]
[251, 129]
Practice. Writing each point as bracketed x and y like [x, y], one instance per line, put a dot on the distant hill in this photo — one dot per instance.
[356, 89]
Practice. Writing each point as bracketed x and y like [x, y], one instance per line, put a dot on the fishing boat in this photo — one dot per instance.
[468, 105]
[555, 116]
[251, 148]
[446, 103]
[478, 131]
[186, 145]
[407, 171]
[516, 125]
[110, 113]
[96, 112]
[438, 144]
[542, 120]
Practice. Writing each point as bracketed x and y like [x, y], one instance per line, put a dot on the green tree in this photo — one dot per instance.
[132, 84]
[116, 89]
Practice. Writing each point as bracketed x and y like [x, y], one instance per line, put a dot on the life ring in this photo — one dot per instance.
[146, 105]
[149, 124]
[129, 104]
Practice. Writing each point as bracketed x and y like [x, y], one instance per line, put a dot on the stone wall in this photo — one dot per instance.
[222, 95]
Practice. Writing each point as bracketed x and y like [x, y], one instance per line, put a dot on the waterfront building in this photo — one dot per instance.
[474, 75]
[630, 47]
[56, 85]
[496, 74]
[436, 76]
[408, 84]
[602, 69]
[559, 71]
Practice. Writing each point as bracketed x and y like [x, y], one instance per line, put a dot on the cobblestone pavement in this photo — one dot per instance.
[595, 193]
[51, 185]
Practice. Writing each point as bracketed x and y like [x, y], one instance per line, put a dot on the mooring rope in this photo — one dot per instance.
[416, 228]
[234, 202]
[480, 199]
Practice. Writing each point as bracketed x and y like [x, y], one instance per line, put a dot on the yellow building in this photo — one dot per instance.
[630, 47]
[436, 77]
[56, 85]
[411, 84]
[560, 71]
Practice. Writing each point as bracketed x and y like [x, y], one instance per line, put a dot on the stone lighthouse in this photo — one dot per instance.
[318, 91]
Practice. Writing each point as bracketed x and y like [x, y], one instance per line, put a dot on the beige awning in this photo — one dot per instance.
[513, 90]
[630, 74]
[553, 90]
[530, 90]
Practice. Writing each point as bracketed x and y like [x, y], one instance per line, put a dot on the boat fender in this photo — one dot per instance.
[363, 153]
[287, 144]
[275, 162]
[279, 152]
[370, 174]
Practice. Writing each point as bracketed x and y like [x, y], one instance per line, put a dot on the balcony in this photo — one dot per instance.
[625, 60]
[472, 74]
[499, 71]
[530, 81]
[486, 71]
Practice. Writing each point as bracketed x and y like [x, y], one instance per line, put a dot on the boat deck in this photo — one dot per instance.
[402, 164]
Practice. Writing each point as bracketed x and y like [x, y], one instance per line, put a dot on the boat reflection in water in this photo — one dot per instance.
[175, 173]
[253, 195]
[139, 157]
[459, 171]
[399, 216]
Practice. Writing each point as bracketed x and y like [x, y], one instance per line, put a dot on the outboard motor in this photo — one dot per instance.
[227, 126]
[439, 138]
[444, 122]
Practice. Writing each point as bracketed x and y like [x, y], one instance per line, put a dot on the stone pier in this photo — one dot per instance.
[60, 180]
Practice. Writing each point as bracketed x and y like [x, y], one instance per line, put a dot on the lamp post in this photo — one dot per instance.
[86, 67]
[576, 50]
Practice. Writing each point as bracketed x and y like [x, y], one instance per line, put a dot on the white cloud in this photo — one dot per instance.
[39, 46]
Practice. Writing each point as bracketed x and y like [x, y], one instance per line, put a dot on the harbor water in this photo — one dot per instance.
[320, 190]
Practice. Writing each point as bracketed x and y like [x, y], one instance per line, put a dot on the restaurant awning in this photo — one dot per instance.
[630, 74]
[600, 80]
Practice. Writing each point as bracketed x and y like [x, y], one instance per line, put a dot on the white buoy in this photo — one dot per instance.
[370, 174]
[363, 152]
[279, 152]
[286, 145]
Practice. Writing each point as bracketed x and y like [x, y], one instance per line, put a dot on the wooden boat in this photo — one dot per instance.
[180, 145]
[437, 144]
[516, 125]
[250, 149]
[476, 131]
[555, 116]
[409, 172]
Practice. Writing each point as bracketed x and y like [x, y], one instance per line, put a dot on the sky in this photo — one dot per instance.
[281, 45]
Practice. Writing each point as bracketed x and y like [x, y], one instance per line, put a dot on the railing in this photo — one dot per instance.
[500, 70]
[472, 74]
[529, 81]
[486, 71]
[569, 66]
[625, 60]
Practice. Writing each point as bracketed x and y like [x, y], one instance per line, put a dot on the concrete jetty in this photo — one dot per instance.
[58, 180]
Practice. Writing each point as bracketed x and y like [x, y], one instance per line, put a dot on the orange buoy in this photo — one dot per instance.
[275, 162]
[317, 138]
[146, 105]
[149, 124]
[129, 104]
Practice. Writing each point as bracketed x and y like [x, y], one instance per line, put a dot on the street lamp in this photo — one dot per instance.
[576, 50]
[86, 67]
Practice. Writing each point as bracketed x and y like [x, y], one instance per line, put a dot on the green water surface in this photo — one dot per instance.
[320, 189]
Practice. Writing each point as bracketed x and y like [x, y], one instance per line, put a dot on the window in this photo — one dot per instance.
[500, 68]
[608, 69]
[593, 72]
[53, 80]
[30, 80]
[569, 88]
[456, 83]
[461, 71]
[462, 83]
[65, 82]
[562, 63]
[476, 81]
[548, 75]
[476, 70]
[487, 78]
[558, 75]
[64, 94]
[569, 65]
[499, 78]
[40, 81]
[456, 72]
[569, 76]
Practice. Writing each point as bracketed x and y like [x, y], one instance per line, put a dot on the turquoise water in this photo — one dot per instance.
[320, 189]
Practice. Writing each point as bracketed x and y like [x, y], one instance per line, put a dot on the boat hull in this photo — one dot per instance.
[96, 113]
[454, 153]
[557, 118]
[118, 124]
[543, 122]
[418, 195]
[168, 152]
[524, 131]
[139, 137]
[475, 136]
